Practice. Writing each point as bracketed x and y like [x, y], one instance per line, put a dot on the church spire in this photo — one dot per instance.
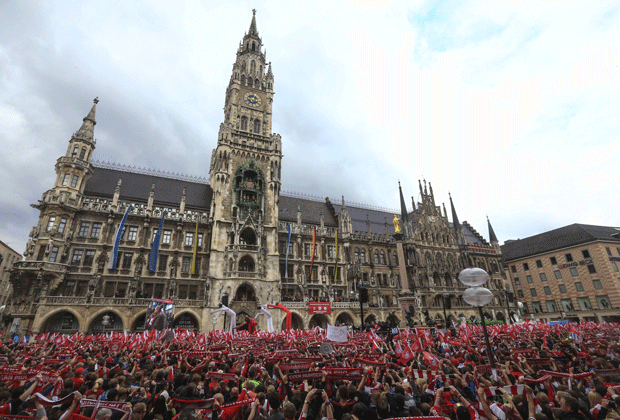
[455, 219]
[86, 131]
[492, 236]
[253, 30]
[403, 207]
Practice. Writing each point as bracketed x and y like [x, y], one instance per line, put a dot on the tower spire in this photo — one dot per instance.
[492, 236]
[253, 30]
[86, 131]
[403, 207]
[455, 219]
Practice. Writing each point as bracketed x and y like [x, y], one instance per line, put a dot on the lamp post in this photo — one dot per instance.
[225, 303]
[445, 319]
[478, 296]
[509, 295]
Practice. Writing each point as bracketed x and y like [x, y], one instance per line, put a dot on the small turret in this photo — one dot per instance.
[182, 206]
[117, 193]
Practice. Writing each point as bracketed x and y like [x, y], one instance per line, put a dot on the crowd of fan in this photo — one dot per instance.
[157, 380]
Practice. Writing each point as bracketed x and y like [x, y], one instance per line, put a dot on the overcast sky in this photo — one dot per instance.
[512, 107]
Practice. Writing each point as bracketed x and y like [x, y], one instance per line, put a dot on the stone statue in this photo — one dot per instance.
[396, 224]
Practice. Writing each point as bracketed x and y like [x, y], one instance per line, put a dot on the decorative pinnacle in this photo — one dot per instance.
[96, 100]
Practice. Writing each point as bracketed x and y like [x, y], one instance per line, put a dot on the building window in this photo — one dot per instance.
[62, 225]
[539, 263]
[529, 279]
[514, 268]
[53, 254]
[569, 257]
[96, 230]
[567, 304]
[574, 272]
[591, 269]
[75, 150]
[89, 258]
[608, 250]
[558, 274]
[74, 181]
[65, 179]
[520, 293]
[163, 262]
[382, 257]
[586, 253]
[244, 123]
[199, 239]
[615, 266]
[533, 292]
[50, 223]
[547, 290]
[562, 288]
[330, 251]
[363, 256]
[306, 250]
[551, 306]
[127, 257]
[553, 261]
[257, 126]
[597, 284]
[185, 266]
[165, 239]
[357, 255]
[189, 238]
[517, 281]
[82, 153]
[282, 247]
[376, 258]
[543, 277]
[536, 307]
[77, 257]
[584, 303]
[132, 234]
[84, 228]
[603, 302]
[579, 286]
[526, 267]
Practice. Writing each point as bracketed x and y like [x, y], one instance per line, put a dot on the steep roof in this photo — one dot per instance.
[377, 218]
[563, 237]
[310, 211]
[136, 186]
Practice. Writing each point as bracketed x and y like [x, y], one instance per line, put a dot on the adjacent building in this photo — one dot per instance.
[568, 273]
[236, 237]
[8, 256]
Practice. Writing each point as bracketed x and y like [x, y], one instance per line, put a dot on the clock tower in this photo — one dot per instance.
[245, 178]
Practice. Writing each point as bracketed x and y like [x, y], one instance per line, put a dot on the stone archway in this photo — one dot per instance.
[245, 293]
[344, 318]
[138, 324]
[116, 323]
[297, 323]
[186, 321]
[499, 316]
[61, 322]
[318, 320]
[371, 319]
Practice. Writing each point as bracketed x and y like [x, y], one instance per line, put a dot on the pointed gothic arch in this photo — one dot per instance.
[246, 264]
[245, 293]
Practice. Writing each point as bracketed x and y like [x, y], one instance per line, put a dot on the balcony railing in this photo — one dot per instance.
[41, 265]
[111, 301]
[242, 248]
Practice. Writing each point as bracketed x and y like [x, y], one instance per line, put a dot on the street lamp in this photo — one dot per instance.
[105, 321]
[225, 303]
[478, 296]
[446, 300]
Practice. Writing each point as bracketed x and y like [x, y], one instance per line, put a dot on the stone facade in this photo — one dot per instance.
[570, 273]
[8, 256]
[237, 225]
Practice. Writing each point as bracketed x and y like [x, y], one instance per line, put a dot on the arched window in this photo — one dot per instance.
[244, 123]
[82, 154]
[363, 256]
[243, 80]
[357, 255]
[257, 84]
[377, 257]
[257, 126]
[382, 255]
[252, 65]
[261, 69]
[247, 237]
[253, 46]
[75, 151]
[246, 264]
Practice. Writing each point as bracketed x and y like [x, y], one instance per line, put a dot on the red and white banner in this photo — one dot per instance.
[319, 308]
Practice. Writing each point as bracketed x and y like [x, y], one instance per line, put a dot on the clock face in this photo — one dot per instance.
[252, 99]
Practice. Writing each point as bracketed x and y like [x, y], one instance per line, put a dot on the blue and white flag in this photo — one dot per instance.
[117, 241]
[288, 241]
[155, 247]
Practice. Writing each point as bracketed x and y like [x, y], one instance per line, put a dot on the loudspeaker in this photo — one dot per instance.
[363, 295]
